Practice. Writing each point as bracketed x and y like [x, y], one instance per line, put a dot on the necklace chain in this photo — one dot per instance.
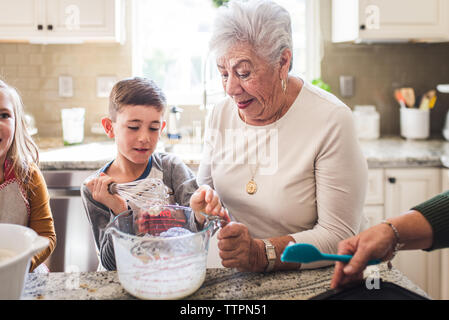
[251, 186]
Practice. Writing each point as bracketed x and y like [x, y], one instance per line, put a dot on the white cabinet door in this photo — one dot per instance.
[375, 187]
[374, 214]
[62, 21]
[404, 189]
[386, 20]
[83, 18]
[413, 19]
[20, 19]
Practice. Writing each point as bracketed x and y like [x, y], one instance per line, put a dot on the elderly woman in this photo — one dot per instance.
[281, 153]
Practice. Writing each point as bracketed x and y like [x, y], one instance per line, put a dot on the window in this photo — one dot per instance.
[171, 46]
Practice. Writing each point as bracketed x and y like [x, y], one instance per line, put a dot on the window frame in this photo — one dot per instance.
[314, 48]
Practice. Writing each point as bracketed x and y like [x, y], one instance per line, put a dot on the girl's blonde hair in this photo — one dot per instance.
[23, 151]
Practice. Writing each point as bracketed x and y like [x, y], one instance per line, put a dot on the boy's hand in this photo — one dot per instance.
[205, 199]
[99, 189]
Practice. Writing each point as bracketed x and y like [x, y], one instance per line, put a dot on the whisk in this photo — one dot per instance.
[143, 193]
[149, 194]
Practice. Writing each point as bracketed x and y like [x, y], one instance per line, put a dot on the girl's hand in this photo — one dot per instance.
[99, 190]
[205, 199]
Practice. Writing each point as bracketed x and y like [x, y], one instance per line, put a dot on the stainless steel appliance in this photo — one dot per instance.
[75, 248]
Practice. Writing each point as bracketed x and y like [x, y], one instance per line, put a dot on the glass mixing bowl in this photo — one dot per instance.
[159, 252]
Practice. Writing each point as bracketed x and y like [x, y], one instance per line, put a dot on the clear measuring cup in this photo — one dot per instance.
[73, 125]
[158, 253]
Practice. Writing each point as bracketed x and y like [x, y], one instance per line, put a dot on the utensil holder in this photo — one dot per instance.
[415, 123]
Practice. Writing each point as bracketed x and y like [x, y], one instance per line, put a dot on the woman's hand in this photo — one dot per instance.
[205, 199]
[374, 243]
[238, 249]
[99, 190]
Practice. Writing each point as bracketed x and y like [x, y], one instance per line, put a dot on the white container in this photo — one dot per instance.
[73, 125]
[446, 127]
[367, 122]
[415, 123]
[24, 243]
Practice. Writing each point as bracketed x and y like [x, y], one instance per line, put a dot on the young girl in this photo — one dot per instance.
[24, 197]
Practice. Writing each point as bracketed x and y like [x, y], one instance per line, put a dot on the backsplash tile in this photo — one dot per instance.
[34, 70]
[380, 68]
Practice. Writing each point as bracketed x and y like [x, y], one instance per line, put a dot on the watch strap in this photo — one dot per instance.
[270, 252]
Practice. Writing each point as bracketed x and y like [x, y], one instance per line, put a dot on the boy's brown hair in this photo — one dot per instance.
[135, 92]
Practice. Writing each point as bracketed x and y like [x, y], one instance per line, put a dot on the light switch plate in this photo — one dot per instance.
[347, 86]
[65, 86]
[104, 86]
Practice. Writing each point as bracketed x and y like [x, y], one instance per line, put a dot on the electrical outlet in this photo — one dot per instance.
[104, 86]
[347, 86]
[65, 86]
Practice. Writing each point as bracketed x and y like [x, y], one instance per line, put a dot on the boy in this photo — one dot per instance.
[136, 108]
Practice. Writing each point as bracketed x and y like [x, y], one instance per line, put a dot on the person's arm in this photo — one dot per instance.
[182, 181]
[239, 250]
[341, 175]
[436, 212]
[204, 175]
[41, 219]
[414, 230]
[379, 242]
[99, 216]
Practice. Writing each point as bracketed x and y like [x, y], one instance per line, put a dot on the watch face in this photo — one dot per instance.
[270, 251]
[271, 254]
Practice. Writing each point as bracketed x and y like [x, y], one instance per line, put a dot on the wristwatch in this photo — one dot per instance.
[271, 255]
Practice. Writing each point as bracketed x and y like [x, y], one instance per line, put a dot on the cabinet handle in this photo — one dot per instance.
[362, 27]
[50, 27]
[40, 27]
[392, 180]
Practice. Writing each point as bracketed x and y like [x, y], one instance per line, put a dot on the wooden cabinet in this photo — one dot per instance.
[404, 189]
[61, 21]
[390, 21]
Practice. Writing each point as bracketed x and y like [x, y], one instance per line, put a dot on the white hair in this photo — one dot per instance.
[263, 24]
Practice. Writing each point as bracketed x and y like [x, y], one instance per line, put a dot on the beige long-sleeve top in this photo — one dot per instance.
[308, 166]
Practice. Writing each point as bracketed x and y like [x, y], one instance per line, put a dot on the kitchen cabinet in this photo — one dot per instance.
[390, 21]
[374, 201]
[405, 188]
[445, 252]
[61, 21]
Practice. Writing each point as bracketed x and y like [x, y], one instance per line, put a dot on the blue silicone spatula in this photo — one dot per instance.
[305, 253]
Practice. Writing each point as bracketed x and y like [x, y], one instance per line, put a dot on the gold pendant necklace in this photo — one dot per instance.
[251, 186]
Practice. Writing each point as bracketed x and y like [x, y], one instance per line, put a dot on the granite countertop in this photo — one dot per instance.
[394, 152]
[220, 284]
[95, 153]
[388, 152]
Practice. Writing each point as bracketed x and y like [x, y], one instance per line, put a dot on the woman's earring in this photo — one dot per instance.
[284, 85]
